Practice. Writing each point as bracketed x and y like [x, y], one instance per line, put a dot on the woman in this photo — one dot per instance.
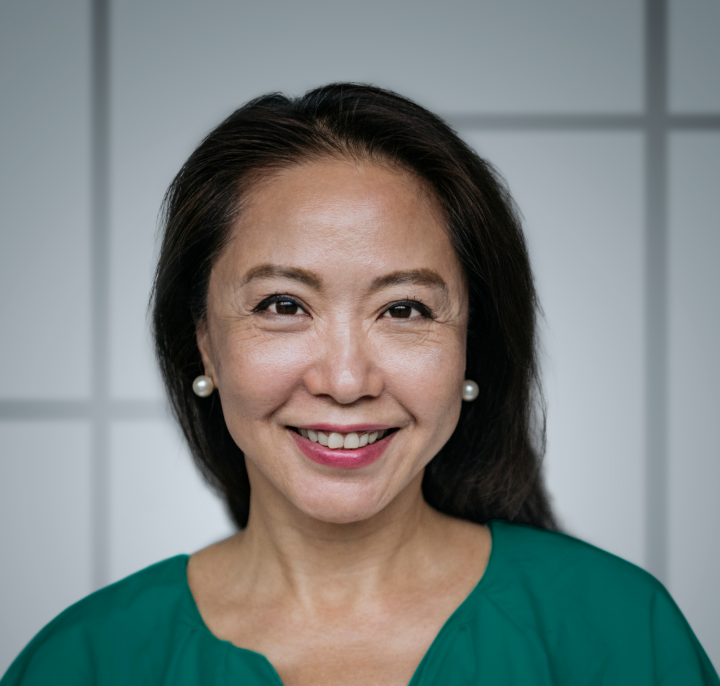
[344, 317]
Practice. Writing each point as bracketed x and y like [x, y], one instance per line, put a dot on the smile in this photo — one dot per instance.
[343, 441]
[343, 450]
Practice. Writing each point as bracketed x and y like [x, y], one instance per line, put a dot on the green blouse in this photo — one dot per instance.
[549, 610]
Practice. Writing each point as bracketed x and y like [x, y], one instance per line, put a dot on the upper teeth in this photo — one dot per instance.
[346, 441]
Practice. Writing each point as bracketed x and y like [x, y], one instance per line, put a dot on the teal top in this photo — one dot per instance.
[549, 610]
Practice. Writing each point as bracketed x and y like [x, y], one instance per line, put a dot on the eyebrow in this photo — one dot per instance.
[269, 271]
[416, 277]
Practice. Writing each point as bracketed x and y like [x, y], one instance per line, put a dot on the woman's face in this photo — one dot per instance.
[338, 307]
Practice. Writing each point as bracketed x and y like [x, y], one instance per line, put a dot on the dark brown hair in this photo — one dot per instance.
[490, 467]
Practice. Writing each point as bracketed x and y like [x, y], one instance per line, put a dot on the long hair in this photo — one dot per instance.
[490, 466]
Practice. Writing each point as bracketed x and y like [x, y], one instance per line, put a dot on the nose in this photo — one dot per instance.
[345, 367]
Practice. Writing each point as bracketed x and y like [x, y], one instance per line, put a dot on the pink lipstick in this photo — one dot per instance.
[342, 459]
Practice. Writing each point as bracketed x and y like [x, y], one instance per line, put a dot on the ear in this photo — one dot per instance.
[202, 337]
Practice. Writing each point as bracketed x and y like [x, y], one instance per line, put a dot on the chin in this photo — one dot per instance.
[341, 503]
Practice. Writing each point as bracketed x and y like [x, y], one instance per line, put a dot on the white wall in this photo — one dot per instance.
[552, 93]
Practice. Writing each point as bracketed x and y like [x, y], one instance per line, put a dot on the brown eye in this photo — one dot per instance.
[408, 309]
[400, 311]
[280, 304]
[286, 307]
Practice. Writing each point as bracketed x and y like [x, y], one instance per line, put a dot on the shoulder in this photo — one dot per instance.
[567, 577]
[139, 602]
[134, 613]
[557, 559]
[576, 599]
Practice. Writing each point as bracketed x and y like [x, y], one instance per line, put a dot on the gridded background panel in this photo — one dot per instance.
[44, 199]
[694, 63]
[169, 88]
[581, 197]
[45, 516]
[159, 506]
[454, 56]
[508, 73]
[694, 410]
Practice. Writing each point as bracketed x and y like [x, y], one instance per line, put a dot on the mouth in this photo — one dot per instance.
[343, 449]
[335, 440]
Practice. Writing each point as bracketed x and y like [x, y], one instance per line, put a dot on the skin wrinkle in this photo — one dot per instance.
[334, 557]
[334, 216]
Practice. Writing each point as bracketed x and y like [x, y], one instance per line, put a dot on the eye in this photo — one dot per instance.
[285, 307]
[280, 304]
[407, 309]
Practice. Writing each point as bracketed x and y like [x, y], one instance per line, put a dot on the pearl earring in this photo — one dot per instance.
[470, 390]
[203, 386]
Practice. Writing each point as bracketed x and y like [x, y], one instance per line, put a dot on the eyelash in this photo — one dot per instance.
[423, 309]
[277, 298]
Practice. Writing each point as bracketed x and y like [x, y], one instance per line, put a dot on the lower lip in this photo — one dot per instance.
[342, 459]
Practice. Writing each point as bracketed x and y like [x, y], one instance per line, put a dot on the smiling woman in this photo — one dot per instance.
[344, 316]
[358, 182]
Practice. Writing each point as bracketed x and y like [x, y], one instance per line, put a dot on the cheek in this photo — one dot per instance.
[427, 378]
[257, 374]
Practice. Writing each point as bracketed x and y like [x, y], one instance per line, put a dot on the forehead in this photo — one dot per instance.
[333, 212]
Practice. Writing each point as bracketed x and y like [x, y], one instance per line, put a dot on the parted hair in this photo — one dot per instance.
[490, 468]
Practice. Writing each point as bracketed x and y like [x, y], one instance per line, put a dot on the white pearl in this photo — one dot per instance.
[470, 390]
[203, 386]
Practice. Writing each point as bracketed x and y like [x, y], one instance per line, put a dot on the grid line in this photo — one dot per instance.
[583, 122]
[656, 334]
[50, 410]
[100, 251]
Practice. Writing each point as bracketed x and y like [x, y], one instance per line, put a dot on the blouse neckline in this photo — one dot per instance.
[455, 620]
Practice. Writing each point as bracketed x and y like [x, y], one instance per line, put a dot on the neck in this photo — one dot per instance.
[284, 549]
